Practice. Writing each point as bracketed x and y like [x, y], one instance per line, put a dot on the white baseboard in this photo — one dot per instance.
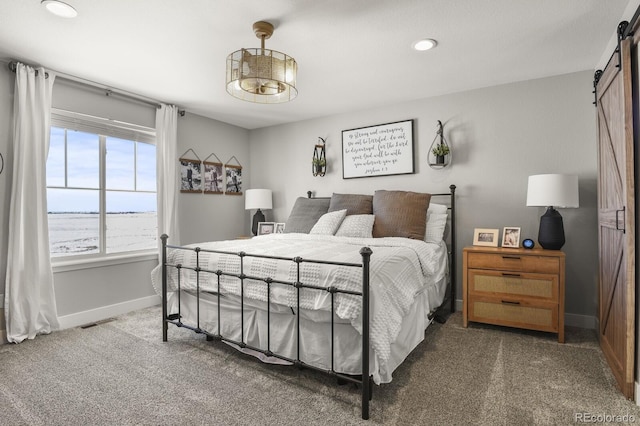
[104, 312]
[3, 329]
[458, 305]
[572, 320]
[581, 321]
[637, 393]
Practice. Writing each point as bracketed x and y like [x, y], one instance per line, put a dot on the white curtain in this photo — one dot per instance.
[30, 304]
[167, 172]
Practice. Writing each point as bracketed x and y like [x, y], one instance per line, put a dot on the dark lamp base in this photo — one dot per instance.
[551, 233]
[258, 217]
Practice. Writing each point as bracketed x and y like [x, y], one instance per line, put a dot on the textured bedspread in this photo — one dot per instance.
[399, 269]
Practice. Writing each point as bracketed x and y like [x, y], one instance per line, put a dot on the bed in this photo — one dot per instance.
[343, 291]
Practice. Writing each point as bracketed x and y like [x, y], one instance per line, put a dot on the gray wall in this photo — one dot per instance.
[205, 217]
[499, 136]
[6, 108]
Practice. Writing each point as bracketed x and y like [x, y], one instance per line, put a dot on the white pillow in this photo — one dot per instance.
[329, 223]
[357, 225]
[437, 208]
[436, 223]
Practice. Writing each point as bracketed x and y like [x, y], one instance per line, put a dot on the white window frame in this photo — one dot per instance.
[104, 128]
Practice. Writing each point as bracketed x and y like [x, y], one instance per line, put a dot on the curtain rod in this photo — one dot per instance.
[108, 90]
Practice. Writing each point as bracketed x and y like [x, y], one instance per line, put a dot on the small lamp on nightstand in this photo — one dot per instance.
[257, 199]
[548, 191]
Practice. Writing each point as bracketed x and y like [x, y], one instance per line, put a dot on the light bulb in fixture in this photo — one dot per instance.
[59, 8]
[424, 44]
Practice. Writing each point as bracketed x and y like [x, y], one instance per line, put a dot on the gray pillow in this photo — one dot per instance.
[305, 214]
[354, 203]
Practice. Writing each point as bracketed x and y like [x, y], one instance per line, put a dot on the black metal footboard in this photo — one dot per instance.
[175, 318]
[366, 379]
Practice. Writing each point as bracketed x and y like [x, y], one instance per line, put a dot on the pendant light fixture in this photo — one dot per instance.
[262, 75]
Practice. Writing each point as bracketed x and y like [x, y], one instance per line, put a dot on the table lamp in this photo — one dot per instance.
[548, 191]
[257, 199]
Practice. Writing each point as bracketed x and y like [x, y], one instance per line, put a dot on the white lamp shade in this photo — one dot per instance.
[258, 199]
[553, 190]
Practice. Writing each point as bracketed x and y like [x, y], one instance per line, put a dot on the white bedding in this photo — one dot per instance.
[400, 269]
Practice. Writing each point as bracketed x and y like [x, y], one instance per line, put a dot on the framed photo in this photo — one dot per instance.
[190, 175]
[511, 237]
[234, 179]
[381, 150]
[485, 237]
[265, 228]
[279, 228]
[213, 178]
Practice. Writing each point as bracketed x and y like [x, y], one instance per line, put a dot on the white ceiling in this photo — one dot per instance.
[351, 54]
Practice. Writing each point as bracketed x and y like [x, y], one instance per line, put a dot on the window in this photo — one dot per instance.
[101, 186]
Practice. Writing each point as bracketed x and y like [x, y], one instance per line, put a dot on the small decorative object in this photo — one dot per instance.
[319, 162]
[190, 173]
[258, 199]
[266, 228]
[1, 163]
[511, 237]
[528, 243]
[382, 150]
[279, 228]
[233, 177]
[485, 237]
[440, 152]
[548, 191]
[213, 176]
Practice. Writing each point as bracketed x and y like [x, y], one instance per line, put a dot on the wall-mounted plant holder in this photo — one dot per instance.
[319, 162]
[439, 152]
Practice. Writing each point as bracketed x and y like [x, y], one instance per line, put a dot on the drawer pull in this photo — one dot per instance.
[509, 302]
[511, 257]
[506, 274]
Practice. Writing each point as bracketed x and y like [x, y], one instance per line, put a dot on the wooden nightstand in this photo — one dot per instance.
[514, 287]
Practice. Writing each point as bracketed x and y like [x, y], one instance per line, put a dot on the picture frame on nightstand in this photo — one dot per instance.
[511, 237]
[266, 228]
[485, 237]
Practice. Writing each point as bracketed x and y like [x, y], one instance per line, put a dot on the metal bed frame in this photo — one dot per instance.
[366, 382]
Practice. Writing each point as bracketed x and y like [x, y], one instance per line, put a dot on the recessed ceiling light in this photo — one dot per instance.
[59, 8]
[425, 44]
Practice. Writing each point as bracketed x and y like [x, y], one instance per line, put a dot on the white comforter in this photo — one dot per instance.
[399, 269]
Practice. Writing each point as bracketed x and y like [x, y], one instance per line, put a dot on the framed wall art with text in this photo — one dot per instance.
[380, 150]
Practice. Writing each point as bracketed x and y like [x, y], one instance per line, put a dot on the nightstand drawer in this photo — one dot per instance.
[540, 286]
[514, 262]
[514, 314]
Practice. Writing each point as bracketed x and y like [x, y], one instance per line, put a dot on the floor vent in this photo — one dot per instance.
[93, 324]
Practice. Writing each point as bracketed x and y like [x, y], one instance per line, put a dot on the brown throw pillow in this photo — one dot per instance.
[400, 214]
[353, 203]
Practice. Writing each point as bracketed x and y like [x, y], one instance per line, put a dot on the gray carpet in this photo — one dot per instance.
[121, 373]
